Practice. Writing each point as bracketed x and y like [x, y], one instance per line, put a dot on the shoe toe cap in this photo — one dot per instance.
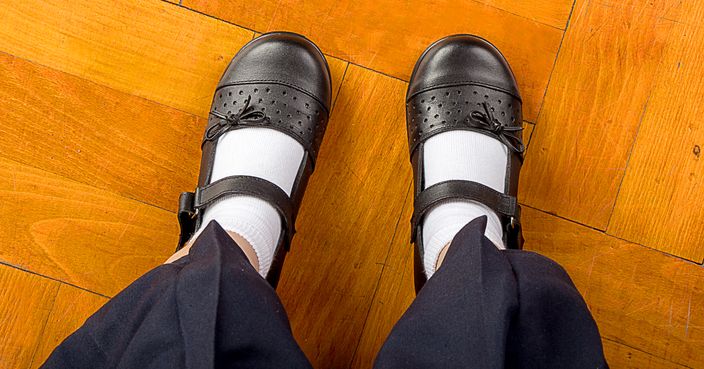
[462, 59]
[284, 58]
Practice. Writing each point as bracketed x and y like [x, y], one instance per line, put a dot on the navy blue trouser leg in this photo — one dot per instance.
[487, 308]
[484, 308]
[210, 309]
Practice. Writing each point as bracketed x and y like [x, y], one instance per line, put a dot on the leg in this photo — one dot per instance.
[478, 305]
[208, 306]
[267, 121]
[244, 245]
[208, 309]
[488, 308]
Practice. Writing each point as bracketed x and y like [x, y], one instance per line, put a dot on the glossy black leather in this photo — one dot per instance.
[288, 79]
[282, 58]
[462, 59]
[462, 82]
[279, 81]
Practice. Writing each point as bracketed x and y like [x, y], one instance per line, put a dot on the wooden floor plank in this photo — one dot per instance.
[394, 293]
[100, 136]
[660, 202]
[623, 357]
[395, 290]
[150, 49]
[639, 297]
[25, 302]
[76, 233]
[347, 219]
[527, 133]
[593, 107]
[113, 101]
[96, 135]
[388, 36]
[71, 308]
[338, 68]
[553, 13]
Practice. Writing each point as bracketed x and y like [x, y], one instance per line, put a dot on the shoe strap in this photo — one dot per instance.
[191, 204]
[186, 218]
[504, 205]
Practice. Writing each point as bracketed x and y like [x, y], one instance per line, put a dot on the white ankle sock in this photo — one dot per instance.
[461, 155]
[257, 152]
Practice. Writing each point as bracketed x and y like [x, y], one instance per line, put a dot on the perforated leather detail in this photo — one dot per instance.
[443, 109]
[289, 110]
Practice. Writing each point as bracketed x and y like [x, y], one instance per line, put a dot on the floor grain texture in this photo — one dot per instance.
[103, 106]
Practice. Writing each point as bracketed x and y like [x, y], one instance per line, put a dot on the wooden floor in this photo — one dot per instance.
[103, 103]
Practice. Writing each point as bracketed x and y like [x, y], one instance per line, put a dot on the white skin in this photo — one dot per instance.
[239, 240]
[441, 257]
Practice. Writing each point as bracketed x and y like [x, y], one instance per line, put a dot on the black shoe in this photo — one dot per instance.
[463, 82]
[280, 81]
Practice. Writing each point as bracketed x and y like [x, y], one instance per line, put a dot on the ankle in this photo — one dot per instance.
[441, 257]
[249, 251]
[243, 244]
[254, 221]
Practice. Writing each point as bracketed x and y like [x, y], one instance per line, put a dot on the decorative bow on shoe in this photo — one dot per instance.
[485, 120]
[247, 115]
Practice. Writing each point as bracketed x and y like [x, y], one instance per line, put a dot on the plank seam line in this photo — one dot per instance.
[102, 85]
[342, 82]
[521, 16]
[652, 86]
[377, 71]
[552, 72]
[645, 352]
[18, 267]
[381, 275]
[628, 159]
[527, 142]
[180, 4]
[120, 92]
[612, 236]
[169, 107]
[189, 114]
[41, 332]
[255, 31]
[117, 194]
